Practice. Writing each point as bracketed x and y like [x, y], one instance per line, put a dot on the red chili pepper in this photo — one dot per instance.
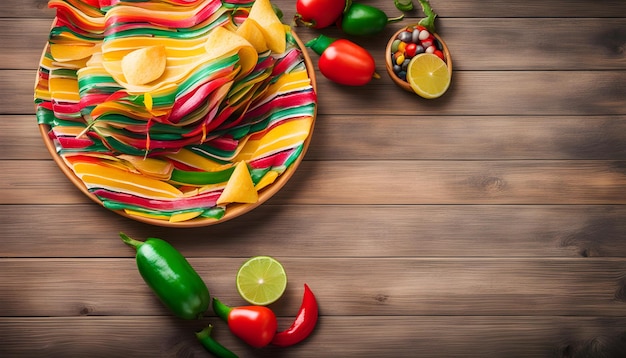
[342, 61]
[255, 325]
[304, 323]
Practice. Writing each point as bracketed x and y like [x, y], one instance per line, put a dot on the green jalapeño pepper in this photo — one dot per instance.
[365, 20]
[171, 277]
[211, 345]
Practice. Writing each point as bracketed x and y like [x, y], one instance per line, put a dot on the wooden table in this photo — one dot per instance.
[488, 223]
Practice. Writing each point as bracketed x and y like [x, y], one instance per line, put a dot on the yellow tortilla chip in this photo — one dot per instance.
[267, 179]
[178, 217]
[273, 30]
[144, 65]
[72, 52]
[152, 167]
[222, 42]
[147, 215]
[239, 188]
[251, 31]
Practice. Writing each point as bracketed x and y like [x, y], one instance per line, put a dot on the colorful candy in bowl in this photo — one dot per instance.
[419, 61]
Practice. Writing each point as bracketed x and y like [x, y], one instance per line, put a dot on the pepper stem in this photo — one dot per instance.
[297, 19]
[130, 241]
[205, 332]
[213, 346]
[395, 19]
[320, 43]
[429, 21]
[348, 4]
[221, 310]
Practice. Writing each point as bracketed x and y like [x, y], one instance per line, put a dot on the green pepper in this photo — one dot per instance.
[403, 5]
[211, 345]
[365, 20]
[171, 277]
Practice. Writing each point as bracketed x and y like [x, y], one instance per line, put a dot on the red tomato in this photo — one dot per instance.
[347, 63]
[319, 13]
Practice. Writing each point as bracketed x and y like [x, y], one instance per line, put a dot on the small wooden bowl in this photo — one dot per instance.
[389, 64]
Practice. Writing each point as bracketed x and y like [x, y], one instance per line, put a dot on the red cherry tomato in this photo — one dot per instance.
[319, 14]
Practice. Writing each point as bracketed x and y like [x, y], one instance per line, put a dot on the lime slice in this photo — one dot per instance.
[428, 75]
[261, 280]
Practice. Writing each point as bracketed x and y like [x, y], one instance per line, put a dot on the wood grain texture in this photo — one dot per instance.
[425, 336]
[488, 223]
[414, 286]
[596, 44]
[365, 182]
[501, 93]
[504, 231]
[349, 137]
[445, 9]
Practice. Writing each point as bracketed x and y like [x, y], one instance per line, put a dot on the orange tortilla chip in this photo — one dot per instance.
[239, 188]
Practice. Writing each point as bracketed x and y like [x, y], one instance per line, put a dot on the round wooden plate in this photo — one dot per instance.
[232, 210]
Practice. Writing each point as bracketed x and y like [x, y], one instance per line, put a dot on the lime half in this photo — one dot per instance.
[261, 280]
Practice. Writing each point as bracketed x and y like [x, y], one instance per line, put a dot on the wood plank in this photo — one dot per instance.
[457, 182]
[496, 231]
[515, 44]
[30, 8]
[445, 9]
[31, 181]
[349, 137]
[20, 138]
[343, 286]
[23, 41]
[423, 336]
[538, 93]
[365, 182]
[519, 45]
[16, 91]
[502, 93]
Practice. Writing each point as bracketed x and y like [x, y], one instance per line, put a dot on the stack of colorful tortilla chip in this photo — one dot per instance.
[155, 104]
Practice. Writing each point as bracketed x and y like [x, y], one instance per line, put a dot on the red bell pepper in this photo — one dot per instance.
[255, 325]
[304, 323]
